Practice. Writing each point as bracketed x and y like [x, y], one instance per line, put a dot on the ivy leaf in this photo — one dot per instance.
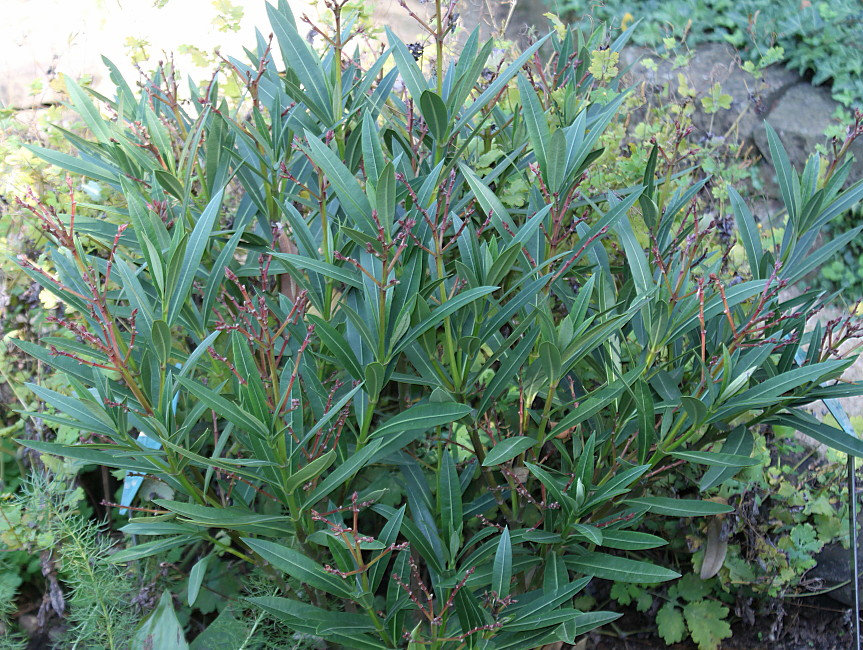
[670, 624]
[707, 624]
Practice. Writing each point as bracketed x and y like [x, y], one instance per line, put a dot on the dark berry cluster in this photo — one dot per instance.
[416, 50]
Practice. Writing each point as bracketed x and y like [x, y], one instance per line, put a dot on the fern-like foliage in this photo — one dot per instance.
[97, 593]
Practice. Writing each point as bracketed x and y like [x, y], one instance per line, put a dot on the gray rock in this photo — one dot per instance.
[834, 567]
[715, 63]
[800, 117]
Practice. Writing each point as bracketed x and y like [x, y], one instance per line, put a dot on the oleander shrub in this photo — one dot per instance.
[407, 396]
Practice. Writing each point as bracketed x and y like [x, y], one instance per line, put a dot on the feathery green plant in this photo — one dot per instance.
[92, 594]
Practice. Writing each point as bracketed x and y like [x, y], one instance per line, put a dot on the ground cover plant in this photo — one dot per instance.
[348, 363]
[820, 39]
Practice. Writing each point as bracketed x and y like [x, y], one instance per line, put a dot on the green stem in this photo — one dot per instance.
[439, 46]
[660, 452]
[230, 549]
[367, 422]
[385, 635]
[448, 340]
[546, 413]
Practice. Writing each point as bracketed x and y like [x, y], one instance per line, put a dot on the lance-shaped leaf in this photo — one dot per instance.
[536, 123]
[224, 408]
[449, 497]
[831, 436]
[681, 507]
[439, 314]
[299, 567]
[301, 60]
[620, 569]
[747, 231]
[195, 247]
[502, 568]
[410, 72]
[496, 86]
[351, 195]
[507, 450]
[342, 473]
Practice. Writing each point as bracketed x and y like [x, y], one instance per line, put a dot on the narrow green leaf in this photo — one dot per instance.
[590, 533]
[681, 507]
[342, 473]
[421, 418]
[373, 155]
[738, 442]
[435, 114]
[824, 433]
[587, 621]
[747, 231]
[770, 390]
[509, 368]
[695, 409]
[225, 408]
[549, 600]
[388, 536]
[507, 450]
[98, 172]
[293, 612]
[300, 59]
[87, 111]
[785, 173]
[596, 401]
[374, 374]
[148, 549]
[411, 74]
[385, 197]
[621, 569]
[635, 257]
[715, 459]
[337, 345]
[161, 337]
[238, 518]
[161, 628]
[554, 488]
[299, 567]
[196, 578]
[169, 183]
[489, 202]
[195, 247]
[89, 416]
[95, 456]
[214, 279]
[557, 170]
[449, 497]
[136, 295]
[549, 355]
[351, 196]
[630, 540]
[646, 418]
[496, 86]
[536, 123]
[502, 567]
[302, 263]
[310, 471]
[438, 315]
